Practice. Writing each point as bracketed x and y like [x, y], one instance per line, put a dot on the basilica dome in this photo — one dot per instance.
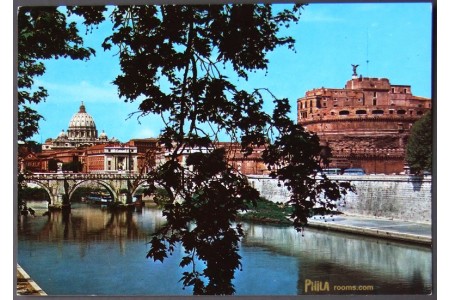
[82, 125]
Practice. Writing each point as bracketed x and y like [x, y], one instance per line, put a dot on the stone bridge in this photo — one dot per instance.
[61, 186]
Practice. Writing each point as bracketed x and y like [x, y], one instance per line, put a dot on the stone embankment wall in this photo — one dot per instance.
[399, 197]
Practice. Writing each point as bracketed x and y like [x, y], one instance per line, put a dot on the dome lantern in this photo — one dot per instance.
[82, 108]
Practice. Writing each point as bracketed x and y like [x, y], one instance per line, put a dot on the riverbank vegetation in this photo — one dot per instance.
[419, 149]
[266, 211]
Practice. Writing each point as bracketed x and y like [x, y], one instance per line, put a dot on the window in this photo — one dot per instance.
[401, 112]
[377, 112]
[344, 113]
[374, 102]
[361, 112]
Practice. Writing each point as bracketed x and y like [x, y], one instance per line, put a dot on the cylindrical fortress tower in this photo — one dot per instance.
[366, 124]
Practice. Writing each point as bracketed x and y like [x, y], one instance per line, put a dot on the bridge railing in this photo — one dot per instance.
[82, 176]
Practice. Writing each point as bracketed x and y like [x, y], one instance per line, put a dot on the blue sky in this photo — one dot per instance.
[394, 37]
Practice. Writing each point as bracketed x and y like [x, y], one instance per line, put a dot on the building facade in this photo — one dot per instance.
[147, 148]
[110, 158]
[252, 164]
[366, 124]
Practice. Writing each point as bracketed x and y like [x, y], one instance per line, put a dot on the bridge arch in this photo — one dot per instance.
[44, 187]
[139, 184]
[103, 183]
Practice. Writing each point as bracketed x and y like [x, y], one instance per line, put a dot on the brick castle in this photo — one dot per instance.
[366, 124]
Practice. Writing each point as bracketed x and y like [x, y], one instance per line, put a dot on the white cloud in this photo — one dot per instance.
[81, 91]
[145, 133]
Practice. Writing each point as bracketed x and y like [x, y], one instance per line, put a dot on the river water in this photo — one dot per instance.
[95, 252]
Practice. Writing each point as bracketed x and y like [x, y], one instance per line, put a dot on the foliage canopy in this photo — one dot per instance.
[419, 149]
[187, 47]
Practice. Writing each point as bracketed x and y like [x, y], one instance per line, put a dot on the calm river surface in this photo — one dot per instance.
[95, 252]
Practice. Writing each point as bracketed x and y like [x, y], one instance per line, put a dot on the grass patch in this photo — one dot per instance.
[268, 212]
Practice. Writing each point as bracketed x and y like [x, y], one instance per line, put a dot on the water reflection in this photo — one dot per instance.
[342, 259]
[95, 243]
[87, 223]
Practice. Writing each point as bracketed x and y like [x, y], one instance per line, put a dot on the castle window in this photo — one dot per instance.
[361, 112]
[344, 113]
[391, 111]
[419, 113]
[401, 112]
[404, 91]
[318, 103]
[324, 104]
[374, 102]
[419, 105]
[374, 94]
[392, 90]
[400, 126]
[332, 113]
[377, 112]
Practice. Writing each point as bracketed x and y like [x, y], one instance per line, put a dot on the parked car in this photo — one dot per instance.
[354, 171]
